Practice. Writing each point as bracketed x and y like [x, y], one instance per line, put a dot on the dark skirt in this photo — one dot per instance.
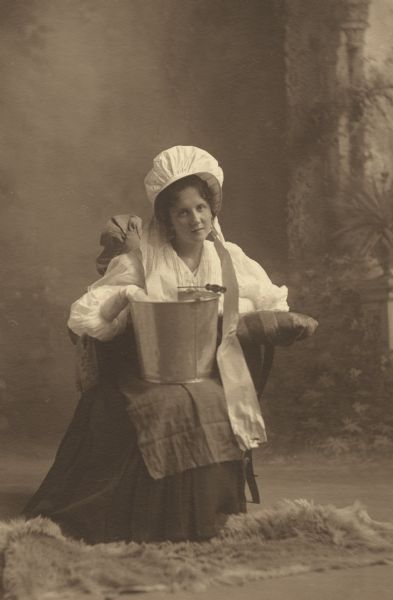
[99, 489]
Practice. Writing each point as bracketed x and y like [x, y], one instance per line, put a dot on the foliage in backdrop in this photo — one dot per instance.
[333, 393]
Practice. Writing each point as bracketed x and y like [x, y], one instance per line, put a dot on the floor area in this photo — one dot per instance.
[323, 481]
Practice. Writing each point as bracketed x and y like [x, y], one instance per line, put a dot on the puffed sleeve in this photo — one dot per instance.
[124, 273]
[256, 290]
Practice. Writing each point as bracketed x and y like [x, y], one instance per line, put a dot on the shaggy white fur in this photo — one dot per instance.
[294, 537]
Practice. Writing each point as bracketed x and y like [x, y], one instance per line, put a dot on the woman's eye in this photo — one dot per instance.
[202, 207]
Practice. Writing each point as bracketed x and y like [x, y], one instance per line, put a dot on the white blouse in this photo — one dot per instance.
[256, 291]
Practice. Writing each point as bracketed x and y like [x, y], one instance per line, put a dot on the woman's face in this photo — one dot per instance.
[191, 218]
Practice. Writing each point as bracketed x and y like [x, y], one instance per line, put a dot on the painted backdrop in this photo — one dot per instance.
[92, 90]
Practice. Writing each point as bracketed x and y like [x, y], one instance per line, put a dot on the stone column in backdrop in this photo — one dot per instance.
[312, 51]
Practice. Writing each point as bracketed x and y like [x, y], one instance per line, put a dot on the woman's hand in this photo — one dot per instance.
[113, 305]
[135, 293]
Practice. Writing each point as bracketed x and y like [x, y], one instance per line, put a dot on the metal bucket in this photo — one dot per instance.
[176, 341]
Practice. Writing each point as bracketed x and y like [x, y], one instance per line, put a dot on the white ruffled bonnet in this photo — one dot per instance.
[180, 161]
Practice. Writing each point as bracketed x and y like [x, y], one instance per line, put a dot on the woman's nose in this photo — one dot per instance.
[195, 218]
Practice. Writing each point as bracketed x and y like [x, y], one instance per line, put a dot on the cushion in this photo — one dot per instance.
[278, 328]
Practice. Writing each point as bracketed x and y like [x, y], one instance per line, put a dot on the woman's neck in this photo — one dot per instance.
[189, 253]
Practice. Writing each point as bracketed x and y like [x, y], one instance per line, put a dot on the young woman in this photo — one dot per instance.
[150, 462]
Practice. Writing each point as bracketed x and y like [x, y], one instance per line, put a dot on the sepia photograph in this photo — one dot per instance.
[196, 306]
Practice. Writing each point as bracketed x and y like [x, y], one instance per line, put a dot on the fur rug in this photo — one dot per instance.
[39, 563]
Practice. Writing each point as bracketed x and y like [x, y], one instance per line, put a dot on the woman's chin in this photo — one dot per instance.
[197, 240]
[192, 239]
[199, 235]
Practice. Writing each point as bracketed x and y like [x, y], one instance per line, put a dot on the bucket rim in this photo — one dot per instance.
[174, 302]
